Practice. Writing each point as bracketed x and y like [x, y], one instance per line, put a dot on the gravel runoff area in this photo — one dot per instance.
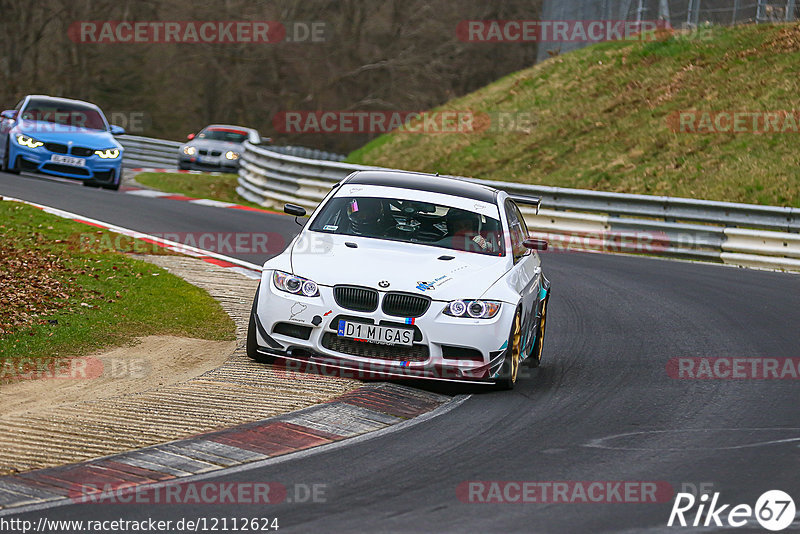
[175, 388]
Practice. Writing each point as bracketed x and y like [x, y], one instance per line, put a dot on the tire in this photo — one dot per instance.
[252, 343]
[183, 166]
[536, 354]
[4, 166]
[112, 187]
[90, 183]
[510, 368]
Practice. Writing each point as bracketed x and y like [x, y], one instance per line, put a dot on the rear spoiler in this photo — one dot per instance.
[527, 200]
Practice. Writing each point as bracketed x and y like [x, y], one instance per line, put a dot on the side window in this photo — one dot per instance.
[518, 230]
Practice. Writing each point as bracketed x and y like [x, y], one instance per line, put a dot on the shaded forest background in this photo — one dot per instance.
[378, 55]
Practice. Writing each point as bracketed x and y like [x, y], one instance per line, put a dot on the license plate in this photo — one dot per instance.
[387, 335]
[68, 160]
[207, 159]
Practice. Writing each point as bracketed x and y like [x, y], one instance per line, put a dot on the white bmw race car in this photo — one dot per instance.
[406, 275]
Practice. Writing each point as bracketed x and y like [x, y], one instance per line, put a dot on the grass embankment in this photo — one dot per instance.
[66, 290]
[212, 186]
[601, 120]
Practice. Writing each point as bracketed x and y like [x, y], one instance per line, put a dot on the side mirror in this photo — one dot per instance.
[535, 244]
[294, 209]
[190, 137]
[116, 130]
[10, 114]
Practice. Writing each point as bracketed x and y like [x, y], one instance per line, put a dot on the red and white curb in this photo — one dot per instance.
[151, 193]
[366, 412]
[171, 171]
[251, 270]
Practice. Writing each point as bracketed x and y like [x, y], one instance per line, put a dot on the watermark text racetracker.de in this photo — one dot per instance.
[734, 122]
[410, 121]
[229, 243]
[552, 31]
[733, 368]
[564, 491]
[14, 369]
[204, 492]
[197, 32]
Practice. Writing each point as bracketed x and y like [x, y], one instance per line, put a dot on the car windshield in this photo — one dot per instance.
[411, 221]
[223, 134]
[65, 113]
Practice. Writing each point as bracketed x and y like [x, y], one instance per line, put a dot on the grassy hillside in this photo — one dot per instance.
[601, 120]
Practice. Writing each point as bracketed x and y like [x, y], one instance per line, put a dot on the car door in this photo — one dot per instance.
[525, 274]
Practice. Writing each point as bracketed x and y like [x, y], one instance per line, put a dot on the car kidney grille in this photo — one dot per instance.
[203, 152]
[405, 305]
[216, 153]
[81, 151]
[395, 353]
[58, 148]
[354, 298]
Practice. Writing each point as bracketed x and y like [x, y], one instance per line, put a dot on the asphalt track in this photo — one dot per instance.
[601, 408]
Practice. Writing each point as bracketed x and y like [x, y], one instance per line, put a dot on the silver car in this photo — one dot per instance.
[216, 147]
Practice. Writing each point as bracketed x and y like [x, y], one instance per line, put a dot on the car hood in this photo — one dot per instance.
[214, 144]
[412, 268]
[49, 132]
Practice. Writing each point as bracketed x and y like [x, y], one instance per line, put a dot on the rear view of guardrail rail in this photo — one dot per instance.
[741, 234]
[163, 154]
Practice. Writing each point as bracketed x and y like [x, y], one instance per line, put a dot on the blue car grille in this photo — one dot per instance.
[81, 151]
[58, 148]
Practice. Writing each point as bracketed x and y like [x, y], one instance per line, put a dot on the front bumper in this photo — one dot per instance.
[303, 330]
[209, 163]
[39, 160]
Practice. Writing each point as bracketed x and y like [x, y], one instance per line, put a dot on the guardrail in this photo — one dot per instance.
[163, 154]
[741, 234]
[149, 152]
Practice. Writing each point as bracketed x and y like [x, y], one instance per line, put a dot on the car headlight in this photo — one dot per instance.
[28, 141]
[475, 309]
[295, 284]
[189, 150]
[109, 153]
[230, 154]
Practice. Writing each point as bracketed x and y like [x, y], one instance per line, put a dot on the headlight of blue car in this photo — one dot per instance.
[474, 309]
[295, 284]
[109, 153]
[28, 141]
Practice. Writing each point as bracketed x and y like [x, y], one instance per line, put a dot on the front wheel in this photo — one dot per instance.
[252, 342]
[6, 166]
[536, 354]
[510, 368]
[90, 183]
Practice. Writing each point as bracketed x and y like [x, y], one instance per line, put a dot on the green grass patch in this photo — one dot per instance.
[66, 291]
[215, 187]
[601, 120]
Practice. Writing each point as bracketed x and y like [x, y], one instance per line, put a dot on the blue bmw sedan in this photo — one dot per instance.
[61, 137]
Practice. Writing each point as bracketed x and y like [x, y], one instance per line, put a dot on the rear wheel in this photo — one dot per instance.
[510, 368]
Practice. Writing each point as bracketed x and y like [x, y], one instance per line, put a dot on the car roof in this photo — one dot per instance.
[425, 182]
[232, 126]
[61, 100]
